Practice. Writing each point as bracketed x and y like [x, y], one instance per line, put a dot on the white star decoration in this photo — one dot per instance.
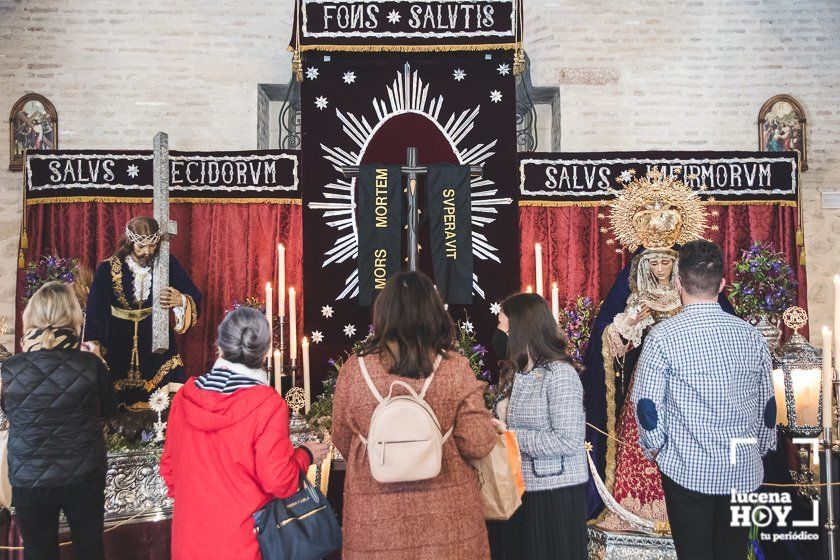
[626, 176]
[133, 171]
[349, 330]
[495, 308]
[459, 74]
[495, 96]
[311, 72]
[321, 102]
[349, 77]
[317, 337]
[468, 327]
[393, 17]
[503, 69]
[327, 311]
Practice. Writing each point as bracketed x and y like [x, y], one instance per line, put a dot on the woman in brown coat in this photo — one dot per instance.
[441, 518]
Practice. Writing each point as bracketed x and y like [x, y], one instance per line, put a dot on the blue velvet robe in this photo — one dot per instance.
[113, 285]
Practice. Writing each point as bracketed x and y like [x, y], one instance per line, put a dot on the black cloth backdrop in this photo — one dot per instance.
[380, 227]
[456, 108]
[450, 230]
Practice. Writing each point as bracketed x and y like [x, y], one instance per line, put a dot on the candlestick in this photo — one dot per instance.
[281, 280]
[538, 262]
[828, 379]
[278, 372]
[555, 301]
[292, 326]
[304, 348]
[269, 297]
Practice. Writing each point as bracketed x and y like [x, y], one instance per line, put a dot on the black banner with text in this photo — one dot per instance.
[578, 178]
[380, 227]
[66, 174]
[450, 230]
[406, 24]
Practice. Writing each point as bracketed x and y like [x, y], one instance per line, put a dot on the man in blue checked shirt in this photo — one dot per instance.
[706, 409]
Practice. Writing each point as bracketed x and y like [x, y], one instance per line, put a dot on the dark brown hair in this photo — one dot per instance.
[141, 225]
[701, 268]
[533, 333]
[410, 326]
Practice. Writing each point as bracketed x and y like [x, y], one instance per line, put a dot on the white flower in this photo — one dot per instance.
[349, 77]
[312, 73]
[133, 171]
[503, 69]
[468, 327]
[327, 311]
[159, 400]
[495, 308]
[349, 330]
[495, 96]
[321, 102]
[317, 337]
[626, 176]
[459, 74]
[393, 17]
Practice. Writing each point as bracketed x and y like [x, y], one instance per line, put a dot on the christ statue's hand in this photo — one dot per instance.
[170, 297]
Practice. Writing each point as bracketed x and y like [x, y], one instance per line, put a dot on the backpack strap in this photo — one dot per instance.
[368, 380]
[431, 376]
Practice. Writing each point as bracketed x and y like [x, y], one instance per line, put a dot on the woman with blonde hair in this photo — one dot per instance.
[55, 394]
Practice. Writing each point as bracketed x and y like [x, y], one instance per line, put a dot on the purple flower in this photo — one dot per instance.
[479, 349]
[748, 291]
[331, 362]
[146, 436]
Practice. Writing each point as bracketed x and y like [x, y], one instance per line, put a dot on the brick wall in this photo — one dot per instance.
[633, 75]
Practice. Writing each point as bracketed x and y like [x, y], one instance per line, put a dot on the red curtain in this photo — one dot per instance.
[577, 256]
[230, 251]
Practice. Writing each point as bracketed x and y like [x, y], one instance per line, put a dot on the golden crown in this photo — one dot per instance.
[657, 211]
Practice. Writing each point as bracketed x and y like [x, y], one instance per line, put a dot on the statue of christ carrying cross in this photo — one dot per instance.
[119, 313]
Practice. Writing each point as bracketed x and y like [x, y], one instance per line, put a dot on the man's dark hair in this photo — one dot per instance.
[701, 268]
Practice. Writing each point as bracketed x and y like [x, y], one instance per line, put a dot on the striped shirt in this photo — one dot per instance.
[704, 400]
[228, 377]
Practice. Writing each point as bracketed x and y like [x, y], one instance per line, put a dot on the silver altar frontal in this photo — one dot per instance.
[134, 489]
[622, 545]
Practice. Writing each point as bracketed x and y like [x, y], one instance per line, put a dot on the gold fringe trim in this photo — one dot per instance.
[411, 48]
[136, 407]
[609, 379]
[168, 366]
[595, 203]
[174, 200]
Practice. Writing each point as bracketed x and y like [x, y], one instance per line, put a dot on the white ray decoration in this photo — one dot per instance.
[408, 93]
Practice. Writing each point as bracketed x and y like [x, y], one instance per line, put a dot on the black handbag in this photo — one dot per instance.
[301, 527]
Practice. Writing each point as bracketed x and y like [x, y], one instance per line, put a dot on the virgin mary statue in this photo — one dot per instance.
[656, 213]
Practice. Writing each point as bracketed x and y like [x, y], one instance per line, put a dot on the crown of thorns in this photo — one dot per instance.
[142, 239]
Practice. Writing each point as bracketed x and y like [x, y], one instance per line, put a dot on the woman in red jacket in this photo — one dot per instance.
[227, 449]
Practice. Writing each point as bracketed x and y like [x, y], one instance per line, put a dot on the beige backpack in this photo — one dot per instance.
[404, 440]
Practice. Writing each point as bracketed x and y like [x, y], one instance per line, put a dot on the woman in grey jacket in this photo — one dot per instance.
[542, 399]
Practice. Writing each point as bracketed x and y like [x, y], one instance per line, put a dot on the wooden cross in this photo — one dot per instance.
[412, 170]
[160, 315]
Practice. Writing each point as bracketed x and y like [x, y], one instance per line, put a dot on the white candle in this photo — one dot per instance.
[555, 301]
[529, 289]
[292, 325]
[278, 381]
[281, 280]
[307, 396]
[538, 262]
[269, 297]
[836, 337]
[828, 378]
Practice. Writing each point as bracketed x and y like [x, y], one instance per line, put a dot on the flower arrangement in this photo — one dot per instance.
[764, 283]
[48, 269]
[320, 413]
[576, 320]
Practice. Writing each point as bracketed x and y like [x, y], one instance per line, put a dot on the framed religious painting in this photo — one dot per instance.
[33, 125]
[781, 127]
